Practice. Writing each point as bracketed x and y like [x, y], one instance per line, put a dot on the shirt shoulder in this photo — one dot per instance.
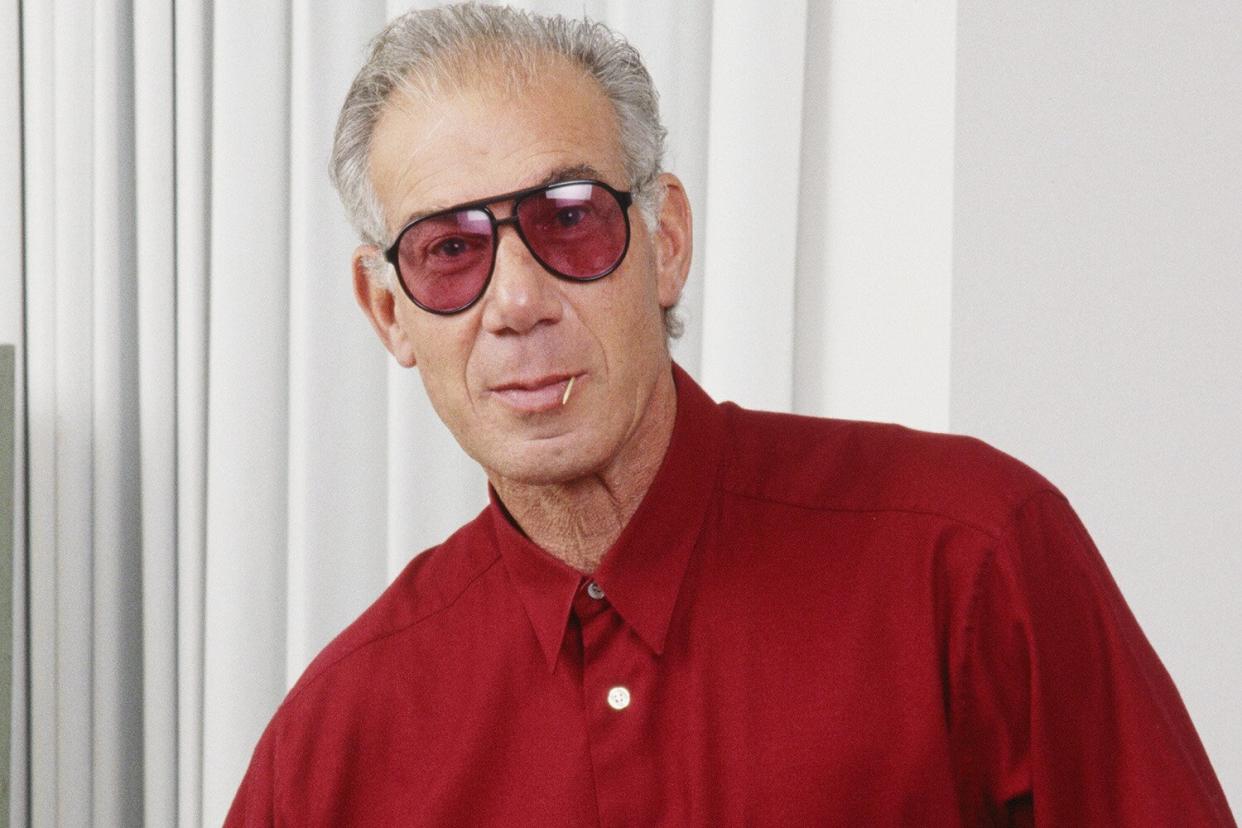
[856, 466]
[429, 584]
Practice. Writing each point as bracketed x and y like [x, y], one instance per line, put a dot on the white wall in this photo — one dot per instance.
[1097, 298]
[872, 319]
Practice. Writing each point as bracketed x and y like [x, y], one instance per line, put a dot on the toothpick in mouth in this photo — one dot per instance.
[568, 390]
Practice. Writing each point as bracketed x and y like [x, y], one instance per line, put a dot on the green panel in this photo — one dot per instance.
[7, 395]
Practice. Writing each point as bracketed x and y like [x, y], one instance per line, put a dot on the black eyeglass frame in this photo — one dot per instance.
[624, 199]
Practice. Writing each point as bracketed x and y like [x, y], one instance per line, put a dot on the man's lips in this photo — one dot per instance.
[533, 395]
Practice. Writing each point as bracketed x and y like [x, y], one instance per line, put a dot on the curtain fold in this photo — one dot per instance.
[224, 465]
[113, 503]
[59, 705]
[337, 378]
[155, 246]
[248, 391]
[752, 286]
[192, 44]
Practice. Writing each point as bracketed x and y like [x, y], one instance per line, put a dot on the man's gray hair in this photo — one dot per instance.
[423, 51]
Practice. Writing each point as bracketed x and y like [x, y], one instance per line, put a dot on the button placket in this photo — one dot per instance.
[617, 685]
[598, 615]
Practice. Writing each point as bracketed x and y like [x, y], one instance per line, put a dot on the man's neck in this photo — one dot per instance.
[580, 520]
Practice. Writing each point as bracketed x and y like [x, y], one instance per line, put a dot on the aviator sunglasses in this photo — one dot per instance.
[577, 230]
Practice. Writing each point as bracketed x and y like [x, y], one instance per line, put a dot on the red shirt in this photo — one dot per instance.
[807, 622]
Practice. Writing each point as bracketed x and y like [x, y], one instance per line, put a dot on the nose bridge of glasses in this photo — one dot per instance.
[513, 222]
[510, 220]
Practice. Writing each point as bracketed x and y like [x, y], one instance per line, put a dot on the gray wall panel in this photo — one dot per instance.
[1096, 299]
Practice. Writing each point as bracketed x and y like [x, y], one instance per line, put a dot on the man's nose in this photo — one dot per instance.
[522, 294]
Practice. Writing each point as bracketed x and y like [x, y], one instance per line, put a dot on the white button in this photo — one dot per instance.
[594, 591]
[618, 698]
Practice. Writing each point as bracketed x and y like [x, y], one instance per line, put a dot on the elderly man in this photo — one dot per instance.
[675, 612]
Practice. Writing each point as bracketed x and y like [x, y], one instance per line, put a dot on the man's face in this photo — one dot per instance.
[496, 372]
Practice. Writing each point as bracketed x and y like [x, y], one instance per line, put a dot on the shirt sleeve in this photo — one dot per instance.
[1062, 713]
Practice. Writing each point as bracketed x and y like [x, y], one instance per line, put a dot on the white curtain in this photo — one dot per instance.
[222, 467]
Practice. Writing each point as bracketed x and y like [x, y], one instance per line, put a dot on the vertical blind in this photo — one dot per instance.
[223, 466]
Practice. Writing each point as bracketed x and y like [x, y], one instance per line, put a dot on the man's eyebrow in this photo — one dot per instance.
[567, 173]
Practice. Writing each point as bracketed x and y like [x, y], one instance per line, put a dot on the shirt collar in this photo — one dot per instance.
[642, 573]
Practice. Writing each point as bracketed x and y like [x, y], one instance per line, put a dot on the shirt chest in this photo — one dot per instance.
[756, 712]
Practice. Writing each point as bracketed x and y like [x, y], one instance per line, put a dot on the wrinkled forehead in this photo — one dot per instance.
[489, 132]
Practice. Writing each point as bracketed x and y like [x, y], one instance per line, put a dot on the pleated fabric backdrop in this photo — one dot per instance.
[224, 467]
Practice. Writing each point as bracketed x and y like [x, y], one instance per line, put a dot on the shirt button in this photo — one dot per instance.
[594, 591]
[618, 698]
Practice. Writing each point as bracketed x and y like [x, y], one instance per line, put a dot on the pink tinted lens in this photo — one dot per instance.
[578, 230]
[445, 260]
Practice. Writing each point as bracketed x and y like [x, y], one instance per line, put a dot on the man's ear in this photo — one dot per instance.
[674, 240]
[379, 304]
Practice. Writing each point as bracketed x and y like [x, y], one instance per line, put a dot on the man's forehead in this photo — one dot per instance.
[564, 172]
[475, 143]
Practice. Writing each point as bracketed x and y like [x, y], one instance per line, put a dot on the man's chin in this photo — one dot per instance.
[547, 461]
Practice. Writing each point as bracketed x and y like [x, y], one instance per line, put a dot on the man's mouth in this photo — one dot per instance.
[531, 396]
